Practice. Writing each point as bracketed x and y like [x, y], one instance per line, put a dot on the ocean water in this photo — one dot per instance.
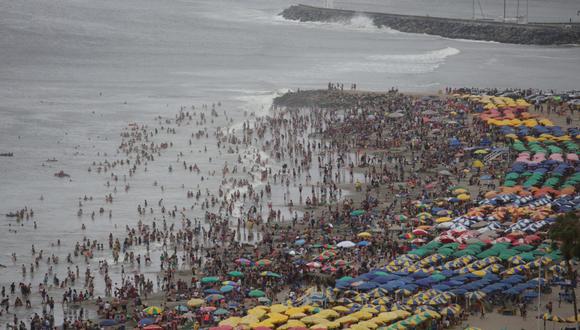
[75, 73]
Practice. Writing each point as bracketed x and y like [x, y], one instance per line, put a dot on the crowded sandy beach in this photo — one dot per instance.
[331, 209]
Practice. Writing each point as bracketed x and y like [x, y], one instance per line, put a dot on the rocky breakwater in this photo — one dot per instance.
[530, 34]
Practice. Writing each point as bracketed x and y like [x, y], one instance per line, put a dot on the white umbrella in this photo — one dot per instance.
[346, 244]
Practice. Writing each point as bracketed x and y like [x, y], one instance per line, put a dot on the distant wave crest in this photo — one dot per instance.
[401, 63]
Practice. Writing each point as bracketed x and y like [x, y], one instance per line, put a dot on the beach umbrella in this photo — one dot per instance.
[263, 263]
[195, 302]
[146, 321]
[214, 297]
[226, 288]
[346, 244]
[340, 263]
[356, 213]
[108, 323]
[236, 273]
[181, 308]
[153, 327]
[210, 279]
[221, 311]
[300, 242]
[463, 197]
[153, 310]
[243, 261]
[314, 264]
[271, 274]
[256, 293]
[475, 295]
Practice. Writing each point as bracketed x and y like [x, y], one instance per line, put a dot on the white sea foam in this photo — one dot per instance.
[400, 63]
[433, 56]
[358, 23]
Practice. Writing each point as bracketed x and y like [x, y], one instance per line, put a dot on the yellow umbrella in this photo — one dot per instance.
[265, 323]
[477, 163]
[358, 327]
[194, 302]
[257, 312]
[231, 321]
[464, 197]
[297, 315]
[295, 323]
[388, 316]
[313, 319]
[328, 313]
[249, 319]
[346, 319]
[294, 310]
[277, 318]
[481, 152]
[369, 310]
[278, 308]
[341, 309]
[360, 315]
[364, 234]
[443, 219]
[401, 313]
[368, 324]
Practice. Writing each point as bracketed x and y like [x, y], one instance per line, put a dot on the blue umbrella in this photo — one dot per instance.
[425, 282]
[394, 284]
[300, 242]
[146, 321]
[530, 294]
[212, 291]
[383, 279]
[363, 243]
[452, 283]
[181, 308]
[108, 323]
[226, 288]
[459, 292]
[367, 286]
[441, 287]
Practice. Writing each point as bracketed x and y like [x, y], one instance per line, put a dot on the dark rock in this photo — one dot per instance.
[532, 34]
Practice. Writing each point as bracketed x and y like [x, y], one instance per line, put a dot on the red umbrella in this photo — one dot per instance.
[312, 264]
[530, 239]
[418, 241]
[446, 239]
[153, 327]
[262, 328]
[420, 232]
[222, 327]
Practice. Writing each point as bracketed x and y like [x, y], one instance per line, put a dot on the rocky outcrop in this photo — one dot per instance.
[532, 34]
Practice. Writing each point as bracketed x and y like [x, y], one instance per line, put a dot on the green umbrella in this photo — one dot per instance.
[523, 248]
[256, 293]
[221, 311]
[271, 274]
[357, 213]
[236, 273]
[438, 277]
[210, 279]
